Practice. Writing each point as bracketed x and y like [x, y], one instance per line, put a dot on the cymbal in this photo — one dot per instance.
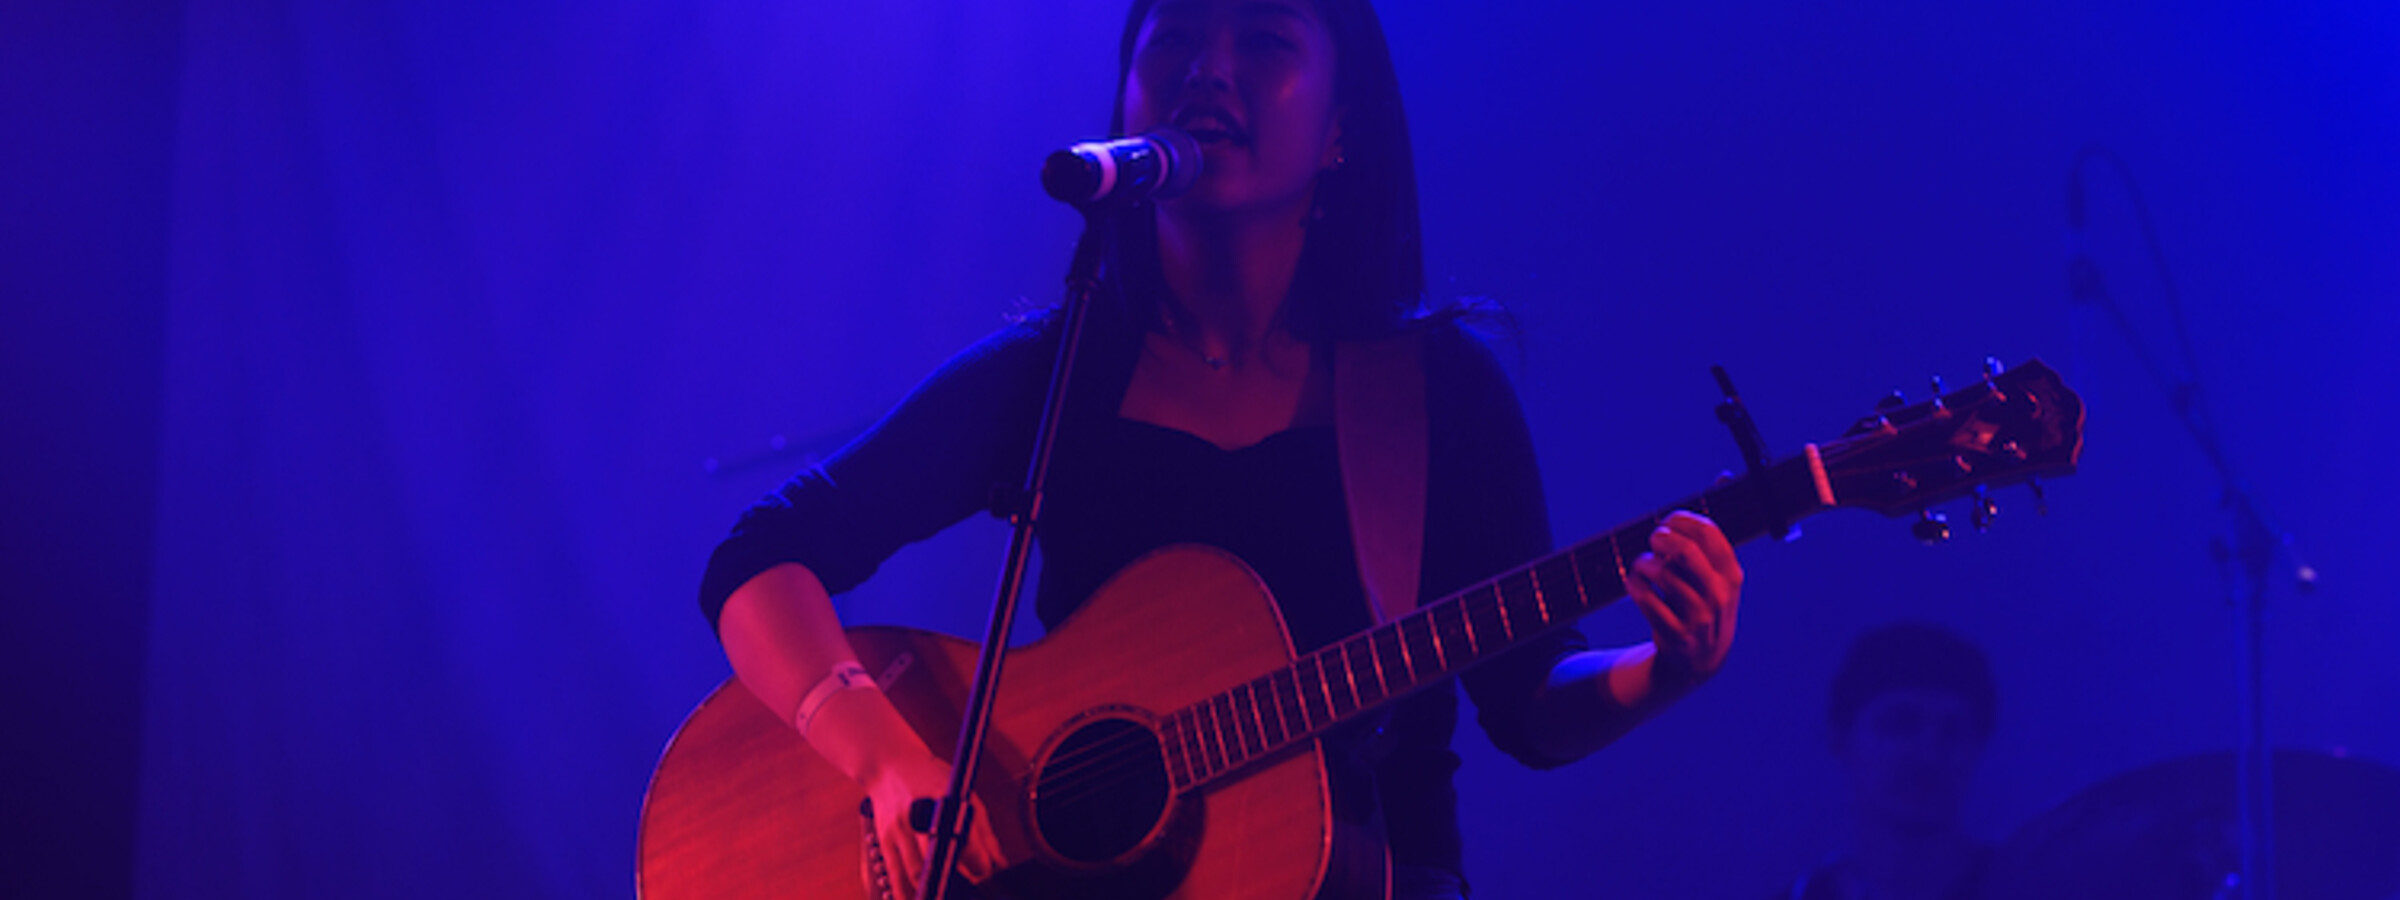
[2169, 831]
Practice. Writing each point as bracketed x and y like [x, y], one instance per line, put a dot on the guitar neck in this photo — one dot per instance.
[1218, 737]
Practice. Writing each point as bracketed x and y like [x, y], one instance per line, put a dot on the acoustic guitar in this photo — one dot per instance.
[1163, 742]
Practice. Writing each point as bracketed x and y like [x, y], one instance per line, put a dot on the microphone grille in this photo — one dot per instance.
[1182, 160]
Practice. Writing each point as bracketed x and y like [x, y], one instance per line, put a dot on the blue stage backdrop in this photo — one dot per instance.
[484, 320]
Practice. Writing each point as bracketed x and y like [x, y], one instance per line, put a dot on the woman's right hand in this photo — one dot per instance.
[864, 735]
[783, 638]
[900, 784]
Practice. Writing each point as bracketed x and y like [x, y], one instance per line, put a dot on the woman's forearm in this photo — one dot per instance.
[783, 638]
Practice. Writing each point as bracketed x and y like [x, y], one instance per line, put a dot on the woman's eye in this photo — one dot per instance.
[1167, 39]
[1266, 40]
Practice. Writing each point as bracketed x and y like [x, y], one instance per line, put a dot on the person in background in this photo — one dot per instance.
[1911, 711]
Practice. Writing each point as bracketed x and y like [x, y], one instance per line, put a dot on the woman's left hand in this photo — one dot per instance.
[1689, 586]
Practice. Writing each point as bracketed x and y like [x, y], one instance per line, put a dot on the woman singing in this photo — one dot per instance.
[1203, 413]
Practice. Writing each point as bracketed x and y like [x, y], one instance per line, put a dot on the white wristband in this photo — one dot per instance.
[845, 676]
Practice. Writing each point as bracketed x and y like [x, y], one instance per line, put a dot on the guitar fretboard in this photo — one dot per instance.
[1336, 683]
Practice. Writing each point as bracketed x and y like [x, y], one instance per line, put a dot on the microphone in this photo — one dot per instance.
[1160, 163]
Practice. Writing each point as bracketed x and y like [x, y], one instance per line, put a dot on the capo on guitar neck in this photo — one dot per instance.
[1754, 452]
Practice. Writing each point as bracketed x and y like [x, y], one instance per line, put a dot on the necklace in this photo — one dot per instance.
[1177, 336]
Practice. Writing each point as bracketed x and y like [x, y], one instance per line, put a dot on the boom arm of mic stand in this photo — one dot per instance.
[1023, 510]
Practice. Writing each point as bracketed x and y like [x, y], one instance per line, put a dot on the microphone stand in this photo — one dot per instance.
[1022, 507]
[2255, 544]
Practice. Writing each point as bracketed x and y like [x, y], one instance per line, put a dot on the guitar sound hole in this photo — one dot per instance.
[1102, 791]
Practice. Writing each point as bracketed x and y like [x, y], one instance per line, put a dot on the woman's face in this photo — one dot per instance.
[1252, 80]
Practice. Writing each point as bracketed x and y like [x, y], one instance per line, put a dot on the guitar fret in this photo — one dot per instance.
[1375, 647]
[1222, 757]
[1299, 702]
[1258, 713]
[1448, 639]
[1229, 732]
[1299, 690]
[1172, 753]
[1194, 753]
[1470, 625]
[1239, 750]
[1308, 717]
[1419, 640]
[1177, 737]
[1583, 594]
[1408, 666]
[1210, 740]
[1273, 726]
[1383, 684]
[1508, 623]
[1195, 733]
[1246, 726]
[1541, 604]
[1324, 687]
[1179, 771]
[1616, 550]
[1559, 586]
[1508, 632]
[1287, 702]
[1350, 680]
[1514, 599]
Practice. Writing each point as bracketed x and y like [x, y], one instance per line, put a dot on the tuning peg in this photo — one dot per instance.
[1892, 402]
[1931, 528]
[1984, 510]
[1938, 407]
[1992, 367]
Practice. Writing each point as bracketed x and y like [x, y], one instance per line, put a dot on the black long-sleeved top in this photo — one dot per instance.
[1120, 488]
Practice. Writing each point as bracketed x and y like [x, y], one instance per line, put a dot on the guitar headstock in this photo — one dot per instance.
[2007, 428]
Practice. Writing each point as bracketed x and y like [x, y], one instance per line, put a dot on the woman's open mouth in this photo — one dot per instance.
[1211, 126]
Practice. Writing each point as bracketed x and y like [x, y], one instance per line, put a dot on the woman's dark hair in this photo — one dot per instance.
[1362, 273]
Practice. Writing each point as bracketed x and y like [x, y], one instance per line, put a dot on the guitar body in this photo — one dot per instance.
[740, 806]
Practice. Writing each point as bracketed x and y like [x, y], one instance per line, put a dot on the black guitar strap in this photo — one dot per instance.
[1380, 434]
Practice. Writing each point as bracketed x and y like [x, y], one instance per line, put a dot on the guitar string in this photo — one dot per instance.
[1104, 762]
[1108, 751]
[1102, 782]
[1104, 758]
[1300, 703]
[1106, 771]
[1114, 760]
[1117, 768]
[1083, 755]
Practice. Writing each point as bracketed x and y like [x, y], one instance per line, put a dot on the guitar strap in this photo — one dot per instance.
[1379, 433]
